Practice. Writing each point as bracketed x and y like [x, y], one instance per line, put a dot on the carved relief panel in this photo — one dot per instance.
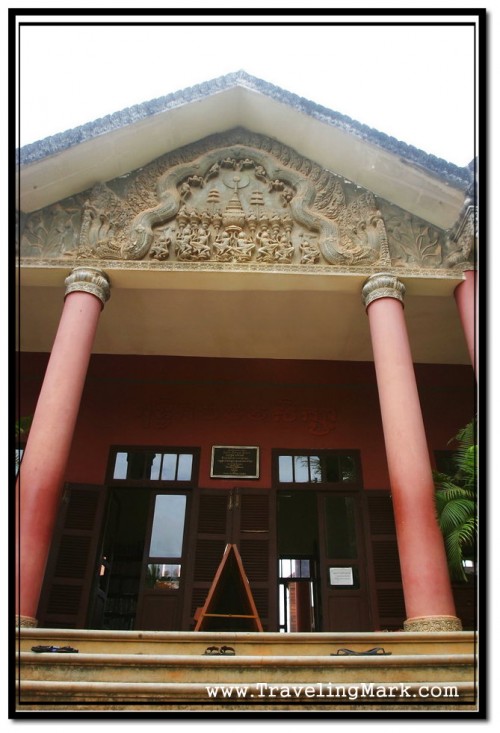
[238, 199]
[234, 213]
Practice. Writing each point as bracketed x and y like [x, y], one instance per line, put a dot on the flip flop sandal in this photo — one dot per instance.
[212, 650]
[227, 650]
[54, 649]
[376, 651]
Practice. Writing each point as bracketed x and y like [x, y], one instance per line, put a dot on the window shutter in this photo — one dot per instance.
[211, 537]
[387, 572]
[255, 535]
[71, 566]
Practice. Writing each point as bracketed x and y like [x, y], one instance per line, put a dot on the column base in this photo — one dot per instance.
[433, 623]
[26, 622]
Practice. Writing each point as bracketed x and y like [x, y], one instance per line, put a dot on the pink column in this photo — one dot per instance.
[426, 583]
[44, 461]
[465, 297]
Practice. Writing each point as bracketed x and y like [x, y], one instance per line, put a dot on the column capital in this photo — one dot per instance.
[88, 280]
[382, 285]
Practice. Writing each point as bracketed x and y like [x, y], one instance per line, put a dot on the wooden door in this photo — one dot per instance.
[244, 517]
[344, 577]
[159, 605]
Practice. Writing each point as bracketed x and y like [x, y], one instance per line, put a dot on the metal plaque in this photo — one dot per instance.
[234, 461]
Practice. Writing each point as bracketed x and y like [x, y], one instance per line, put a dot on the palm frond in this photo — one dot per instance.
[456, 500]
[456, 542]
[456, 515]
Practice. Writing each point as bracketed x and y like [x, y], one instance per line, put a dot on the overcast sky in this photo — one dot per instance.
[414, 82]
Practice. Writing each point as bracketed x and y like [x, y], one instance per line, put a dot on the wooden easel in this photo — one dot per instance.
[229, 605]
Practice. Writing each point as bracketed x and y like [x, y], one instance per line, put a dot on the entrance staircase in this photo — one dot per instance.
[171, 671]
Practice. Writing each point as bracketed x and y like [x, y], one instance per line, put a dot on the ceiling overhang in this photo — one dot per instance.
[241, 314]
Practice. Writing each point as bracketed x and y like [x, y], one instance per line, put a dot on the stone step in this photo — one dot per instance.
[248, 643]
[244, 669]
[118, 670]
[149, 696]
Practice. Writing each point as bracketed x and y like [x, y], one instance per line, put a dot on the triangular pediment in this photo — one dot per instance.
[199, 261]
[238, 199]
[71, 162]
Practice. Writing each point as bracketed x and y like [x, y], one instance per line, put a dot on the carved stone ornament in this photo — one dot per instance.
[433, 623]
[237, 205]
[382, 285]
[234, 199]
[462, 242]
[88, 280]
[26, 622]
[412, 242]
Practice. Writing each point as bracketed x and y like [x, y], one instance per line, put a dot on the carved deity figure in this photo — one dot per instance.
[222, 247]
[34, 235]
[161, 248]
[463, 247]
[183, 243]
[310, 253]
[233, 246]
[244, 246]
[185, 190]
[200, 244]
[285, 250]
[266, 246]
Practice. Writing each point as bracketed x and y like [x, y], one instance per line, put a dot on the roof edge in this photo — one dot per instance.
[459, 177]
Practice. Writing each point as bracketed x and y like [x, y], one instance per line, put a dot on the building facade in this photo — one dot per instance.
[243, 319]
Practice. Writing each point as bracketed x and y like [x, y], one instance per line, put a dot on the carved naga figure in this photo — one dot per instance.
[235, 204]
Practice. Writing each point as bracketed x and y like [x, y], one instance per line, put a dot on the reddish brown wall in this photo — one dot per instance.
[200, 402]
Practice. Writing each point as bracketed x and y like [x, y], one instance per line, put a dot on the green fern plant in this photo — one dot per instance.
[456, 502]
[23, 425]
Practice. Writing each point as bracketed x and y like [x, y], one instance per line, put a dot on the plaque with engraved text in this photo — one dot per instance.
[234, 461]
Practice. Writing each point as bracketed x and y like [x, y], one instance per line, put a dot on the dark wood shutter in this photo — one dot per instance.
[465, 596]
[71, 566]
[254, 533]
[389, 597]
[246, 518]
[209, 536]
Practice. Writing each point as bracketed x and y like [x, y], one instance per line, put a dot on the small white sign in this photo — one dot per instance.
[341, 576]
